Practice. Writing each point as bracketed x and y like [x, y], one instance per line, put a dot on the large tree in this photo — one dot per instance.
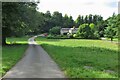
[68, 22]
[79, 21]
[17, 18]
[85, 31]
[113, 25]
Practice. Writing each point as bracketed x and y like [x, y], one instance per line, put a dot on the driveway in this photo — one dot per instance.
[35, 64]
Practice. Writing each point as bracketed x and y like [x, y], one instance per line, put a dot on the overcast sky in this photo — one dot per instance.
[104, 8]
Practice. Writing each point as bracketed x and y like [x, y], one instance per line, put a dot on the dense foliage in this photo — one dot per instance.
[55, 30]
[18, 19]
[21, 19]
[86, 31]
[111, 30]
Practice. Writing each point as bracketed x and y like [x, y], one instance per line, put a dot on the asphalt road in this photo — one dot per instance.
[35, 64]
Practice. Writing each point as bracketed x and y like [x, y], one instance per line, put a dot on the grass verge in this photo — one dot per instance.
[12, 52]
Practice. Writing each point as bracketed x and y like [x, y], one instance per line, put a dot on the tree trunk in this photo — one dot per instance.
[4, 35]
[111, 39]
[3, 40]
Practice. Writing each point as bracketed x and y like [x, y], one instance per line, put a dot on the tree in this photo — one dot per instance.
[92, 26]
[88, 31]
[17, 18]
[78, 21]
[55, 30]
[71, 21]
[109, 32]
[112, 30]
[57, 19]
[100, 27]
[46, 22]
[86, 19]
[68, 22]
[118, 25]
[90, 20]
[95, 19]
[84, 31]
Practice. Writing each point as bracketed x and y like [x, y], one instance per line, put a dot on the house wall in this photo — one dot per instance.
[70, 30]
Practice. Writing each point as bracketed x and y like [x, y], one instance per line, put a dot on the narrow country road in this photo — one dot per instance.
[35, 64]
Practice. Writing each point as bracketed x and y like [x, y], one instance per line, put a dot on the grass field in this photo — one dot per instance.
[19, 40]
[114, 40]
[83, 58]
[13, 52]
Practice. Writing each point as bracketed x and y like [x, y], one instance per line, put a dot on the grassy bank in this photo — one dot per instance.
[83, 58]
[13, 52]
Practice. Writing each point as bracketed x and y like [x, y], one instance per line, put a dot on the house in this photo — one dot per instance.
[64, 31]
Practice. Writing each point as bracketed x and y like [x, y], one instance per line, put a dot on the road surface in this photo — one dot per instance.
[35, 64]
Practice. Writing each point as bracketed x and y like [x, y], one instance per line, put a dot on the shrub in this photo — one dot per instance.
[75, 35]
[71, 36]
[55, 30]
[96, 35]
[85, 31]
[50, 36]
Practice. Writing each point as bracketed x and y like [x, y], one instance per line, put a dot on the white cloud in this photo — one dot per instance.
[76, 7]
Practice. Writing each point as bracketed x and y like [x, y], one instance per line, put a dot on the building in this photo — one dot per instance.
[64, 31]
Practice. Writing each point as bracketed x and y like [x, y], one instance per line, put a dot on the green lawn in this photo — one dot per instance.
[83, 58]
[19, 40]
[12, 53]
[114, 39]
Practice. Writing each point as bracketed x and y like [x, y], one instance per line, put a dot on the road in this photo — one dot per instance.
[35, 64]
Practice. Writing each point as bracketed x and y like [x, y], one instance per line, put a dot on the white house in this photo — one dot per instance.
[64, 31]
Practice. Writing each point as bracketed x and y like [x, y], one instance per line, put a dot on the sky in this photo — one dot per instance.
[74, 8]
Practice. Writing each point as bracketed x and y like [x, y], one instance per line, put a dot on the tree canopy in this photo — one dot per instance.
[21, 19]
[17, 18]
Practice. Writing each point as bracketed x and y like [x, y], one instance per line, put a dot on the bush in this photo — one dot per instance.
[55, 30]
[85, 31]
[71, 36]
[50, 36]
[96, 35]
[75, 35]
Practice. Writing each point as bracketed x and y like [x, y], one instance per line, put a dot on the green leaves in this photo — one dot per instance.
[86, 31]
[18, 17]
[55, 30]
[112, 30]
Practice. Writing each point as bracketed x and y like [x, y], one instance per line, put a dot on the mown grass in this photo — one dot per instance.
[17, 40]
[12, 52]
[114, 39]
[83, 58]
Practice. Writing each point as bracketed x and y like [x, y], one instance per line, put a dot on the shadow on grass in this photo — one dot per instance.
[85, 61]
[14, 44]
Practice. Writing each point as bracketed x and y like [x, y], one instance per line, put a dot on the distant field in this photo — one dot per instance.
[12, 53]
[83, 58]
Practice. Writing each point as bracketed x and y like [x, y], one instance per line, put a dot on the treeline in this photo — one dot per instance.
[49, 20]
[101, 28]
[21, 19]
[90, 26]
